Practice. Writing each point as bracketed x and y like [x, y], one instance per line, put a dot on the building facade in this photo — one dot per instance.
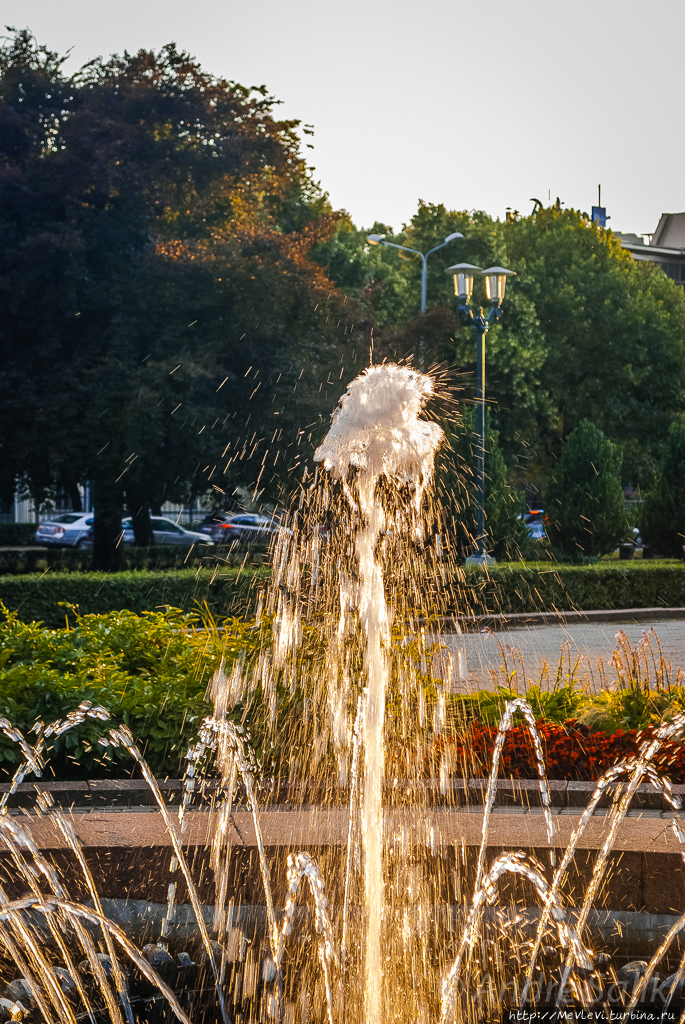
[666, 247]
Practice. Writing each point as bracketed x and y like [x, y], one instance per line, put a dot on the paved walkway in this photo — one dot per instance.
[539, 644]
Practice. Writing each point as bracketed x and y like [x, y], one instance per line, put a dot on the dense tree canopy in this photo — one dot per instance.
[181, 307]
[587, 332]
[159, 304]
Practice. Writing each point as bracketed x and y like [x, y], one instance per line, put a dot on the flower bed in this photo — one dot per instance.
[572, 752]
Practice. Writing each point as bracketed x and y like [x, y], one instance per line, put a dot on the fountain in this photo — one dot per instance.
[397, 919]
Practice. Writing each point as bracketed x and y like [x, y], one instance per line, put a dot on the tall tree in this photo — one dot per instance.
[584, 497]
[159, 301]
[614, 332]
[587, 332]
[663, 513]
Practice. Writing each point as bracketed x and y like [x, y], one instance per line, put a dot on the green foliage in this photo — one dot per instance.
[367, 272]
[160, 306]
[614, 333]
[663, 513]
[42, 597]
[487, 706]
[13, 534]
[456, 486]
[154, 558]
[150, 672]
[505, 588]
[638, 690]
[587, 332]
[584, 498]
[549, 587]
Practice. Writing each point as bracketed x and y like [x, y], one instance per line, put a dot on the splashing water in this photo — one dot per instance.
[378, 432]
[379, 453]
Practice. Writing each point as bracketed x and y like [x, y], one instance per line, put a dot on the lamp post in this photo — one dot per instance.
[495, 283]
[380, 240]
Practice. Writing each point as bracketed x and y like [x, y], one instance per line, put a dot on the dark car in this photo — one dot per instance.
[242, 528]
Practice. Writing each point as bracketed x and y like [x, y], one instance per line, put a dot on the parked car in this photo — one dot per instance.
[240, 528]
[167, 532]
[68, 530]
[211, 524]
[535, 521]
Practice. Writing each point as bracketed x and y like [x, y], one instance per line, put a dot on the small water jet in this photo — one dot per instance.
[398, 923]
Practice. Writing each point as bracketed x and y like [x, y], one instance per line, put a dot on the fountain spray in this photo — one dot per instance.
[377, 432]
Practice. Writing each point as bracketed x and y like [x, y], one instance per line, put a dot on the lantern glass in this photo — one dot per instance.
[463, 278]
[496, 282]
[494, 286]
[463, 285]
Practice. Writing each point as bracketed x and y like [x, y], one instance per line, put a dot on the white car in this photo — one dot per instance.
[68, 530]
[166, 531]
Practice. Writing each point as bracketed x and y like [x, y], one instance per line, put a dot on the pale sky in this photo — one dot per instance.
[475, 105]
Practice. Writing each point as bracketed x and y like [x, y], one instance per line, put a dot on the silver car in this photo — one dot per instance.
[68, 530]
[166, 531]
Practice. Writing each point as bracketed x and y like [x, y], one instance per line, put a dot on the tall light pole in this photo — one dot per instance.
[380, 240]
[495, 283]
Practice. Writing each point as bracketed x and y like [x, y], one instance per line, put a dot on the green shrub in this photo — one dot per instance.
[507, 535]
[504, 588]
[584, 499]
[12, 534]
[39, 597]
[663, 513]
[81, 559]
[150, 672]
[549, 587]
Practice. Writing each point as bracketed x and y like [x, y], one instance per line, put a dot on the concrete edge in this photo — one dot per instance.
[518, 619]
[104, 794]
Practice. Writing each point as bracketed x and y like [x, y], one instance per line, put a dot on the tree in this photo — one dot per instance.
[663, 513]
[587, 332]
[614, 331]
[584, 498]
[390, 289]
[160, 305]
[507, 534]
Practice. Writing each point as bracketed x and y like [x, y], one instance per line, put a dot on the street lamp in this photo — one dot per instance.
[495, 284]
[380, 240]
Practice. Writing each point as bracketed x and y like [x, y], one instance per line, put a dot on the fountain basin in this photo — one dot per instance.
[513, 828]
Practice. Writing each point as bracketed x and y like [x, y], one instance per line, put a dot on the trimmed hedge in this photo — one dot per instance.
[37, 598]
[508, 588]
[29, 560]
[601, 587]
[17, 533]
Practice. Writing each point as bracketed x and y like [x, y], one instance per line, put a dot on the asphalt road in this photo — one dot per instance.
[538, 645]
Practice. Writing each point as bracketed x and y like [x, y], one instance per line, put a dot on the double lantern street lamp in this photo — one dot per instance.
[495, 283]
